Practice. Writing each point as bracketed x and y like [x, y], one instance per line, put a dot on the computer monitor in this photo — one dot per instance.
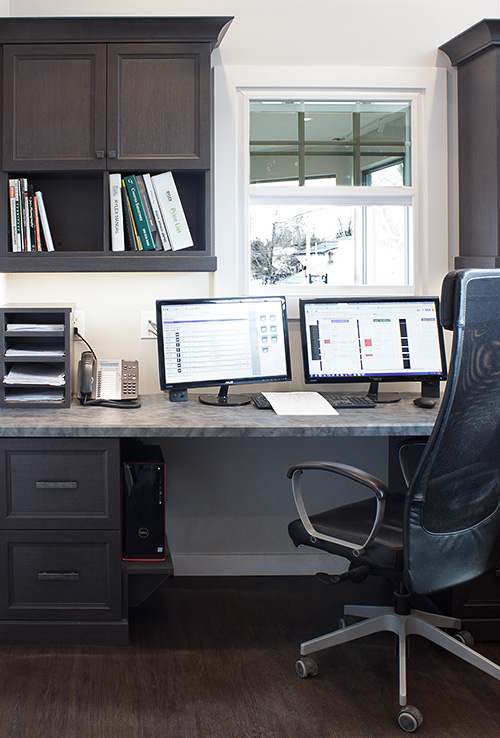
[221, 342]
[384, 339]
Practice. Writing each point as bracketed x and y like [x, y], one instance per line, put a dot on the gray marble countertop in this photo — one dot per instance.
[158, 417]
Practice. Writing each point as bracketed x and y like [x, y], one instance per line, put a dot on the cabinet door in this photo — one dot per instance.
[159, 106]
[54, 106]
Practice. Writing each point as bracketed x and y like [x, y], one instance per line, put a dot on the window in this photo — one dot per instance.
[400, 194]
[305, 230]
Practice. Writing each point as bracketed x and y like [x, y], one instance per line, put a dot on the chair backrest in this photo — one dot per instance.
[452, 517]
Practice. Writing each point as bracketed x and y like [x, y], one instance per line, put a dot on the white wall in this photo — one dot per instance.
[216, 517]
[291, 32]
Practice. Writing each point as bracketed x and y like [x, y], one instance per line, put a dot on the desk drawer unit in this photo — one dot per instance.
[60, 484]
[60, 576]
[60, 541]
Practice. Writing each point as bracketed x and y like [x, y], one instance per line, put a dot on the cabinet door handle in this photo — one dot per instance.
[99, 154]
[112, 154]
[58, 576]
[56, 485]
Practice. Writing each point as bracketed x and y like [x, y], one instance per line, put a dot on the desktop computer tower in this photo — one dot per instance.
[143, 482]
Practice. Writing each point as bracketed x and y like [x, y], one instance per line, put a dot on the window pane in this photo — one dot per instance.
[334, 245]
[274, 121]
[270, 164]
[304, 244]
[383, 174]
[349, 139]
[328, 168]
[387, 248]
[382, 124]
[328, 126]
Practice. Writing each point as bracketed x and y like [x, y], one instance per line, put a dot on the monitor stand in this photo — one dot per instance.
[384, 397]
[223, 399]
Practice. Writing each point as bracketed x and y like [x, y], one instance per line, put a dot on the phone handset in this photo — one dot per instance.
[86, 376]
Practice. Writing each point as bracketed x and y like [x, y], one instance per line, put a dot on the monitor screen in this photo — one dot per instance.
[220, 342]
[372, 340]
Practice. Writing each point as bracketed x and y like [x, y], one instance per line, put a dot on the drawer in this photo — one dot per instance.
[60, 575]
[60, 483]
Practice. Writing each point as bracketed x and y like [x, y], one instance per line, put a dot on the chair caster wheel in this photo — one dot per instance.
[410, 718]
[464, 637]
[306, 667]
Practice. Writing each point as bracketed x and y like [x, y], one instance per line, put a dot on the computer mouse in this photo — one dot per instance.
[424, 402]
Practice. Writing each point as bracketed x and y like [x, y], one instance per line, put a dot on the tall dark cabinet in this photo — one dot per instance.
[476, 55]
[85, 97]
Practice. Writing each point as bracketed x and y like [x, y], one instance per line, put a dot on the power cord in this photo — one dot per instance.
[77, 333]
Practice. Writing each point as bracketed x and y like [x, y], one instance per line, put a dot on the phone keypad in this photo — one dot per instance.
[130, 379]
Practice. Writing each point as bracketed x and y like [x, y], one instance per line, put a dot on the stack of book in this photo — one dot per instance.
[29, 227]
[146, 213]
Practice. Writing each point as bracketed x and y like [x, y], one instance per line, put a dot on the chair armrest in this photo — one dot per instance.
[379, 489]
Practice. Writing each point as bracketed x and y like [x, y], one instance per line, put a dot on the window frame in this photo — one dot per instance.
[425, 88]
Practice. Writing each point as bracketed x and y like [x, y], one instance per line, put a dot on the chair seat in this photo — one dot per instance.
[353, 522]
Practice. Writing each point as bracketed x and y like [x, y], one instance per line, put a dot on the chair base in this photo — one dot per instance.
[416, 622]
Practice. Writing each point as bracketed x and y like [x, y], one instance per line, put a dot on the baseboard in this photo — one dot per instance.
[296, 563]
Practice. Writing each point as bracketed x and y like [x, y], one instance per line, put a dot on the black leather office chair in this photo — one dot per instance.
[446, 530]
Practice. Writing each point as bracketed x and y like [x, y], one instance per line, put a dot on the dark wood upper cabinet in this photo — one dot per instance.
[96, 106]
[54, 106]
[84, 97]
[159, 105]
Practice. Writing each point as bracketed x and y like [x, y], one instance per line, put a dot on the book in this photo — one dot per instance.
[15, 215]
[140, 219]
[44, 221]
[116, 213]
[131, 236]
[31, 217]
[38, 235]
[172, 211]
[155, 208]
[25, 217]
[149, 212]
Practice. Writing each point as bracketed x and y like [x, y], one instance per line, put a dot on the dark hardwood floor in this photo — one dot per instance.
[214, 658]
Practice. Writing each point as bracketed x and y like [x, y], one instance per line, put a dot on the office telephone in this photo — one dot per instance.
[111, 382]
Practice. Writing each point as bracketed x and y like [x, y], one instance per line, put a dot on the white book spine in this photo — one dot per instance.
[156, 210]
[116, 213]
[15, 215]
[45, 223]
[172, 210]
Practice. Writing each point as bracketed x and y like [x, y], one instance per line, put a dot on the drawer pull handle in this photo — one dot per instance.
[58, 576]
[56, 485]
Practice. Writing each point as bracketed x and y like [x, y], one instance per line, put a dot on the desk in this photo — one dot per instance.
[160, 418]
[61, 575]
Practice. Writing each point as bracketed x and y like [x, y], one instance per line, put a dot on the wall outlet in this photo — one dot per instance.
[148, 324]
[79, 321]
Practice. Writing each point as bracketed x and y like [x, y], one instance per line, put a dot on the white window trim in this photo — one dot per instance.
[426, 87]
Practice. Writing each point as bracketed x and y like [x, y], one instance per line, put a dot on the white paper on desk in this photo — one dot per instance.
[299, 403]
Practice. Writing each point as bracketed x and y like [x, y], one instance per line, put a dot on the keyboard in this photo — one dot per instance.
[261, 402]
[348, 401]
[336, 401]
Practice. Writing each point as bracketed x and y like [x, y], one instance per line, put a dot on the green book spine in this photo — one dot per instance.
[139, 213]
